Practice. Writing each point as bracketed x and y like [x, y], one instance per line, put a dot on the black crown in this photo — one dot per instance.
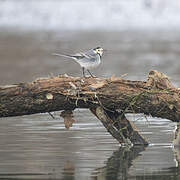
[97, 48]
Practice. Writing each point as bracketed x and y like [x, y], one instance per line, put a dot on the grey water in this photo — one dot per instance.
[39, 147]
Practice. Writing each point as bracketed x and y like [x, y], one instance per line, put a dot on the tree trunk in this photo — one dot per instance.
[156, 97]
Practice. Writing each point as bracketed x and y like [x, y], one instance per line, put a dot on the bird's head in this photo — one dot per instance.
[98, 50]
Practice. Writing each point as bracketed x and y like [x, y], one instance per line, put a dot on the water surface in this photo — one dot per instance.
[39, 147]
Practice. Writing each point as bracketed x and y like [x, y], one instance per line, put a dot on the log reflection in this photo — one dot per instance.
[118, 164]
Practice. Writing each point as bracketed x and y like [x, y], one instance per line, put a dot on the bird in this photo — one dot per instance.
[87, 60]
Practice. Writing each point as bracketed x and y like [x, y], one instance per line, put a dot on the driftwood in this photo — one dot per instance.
[108, 98]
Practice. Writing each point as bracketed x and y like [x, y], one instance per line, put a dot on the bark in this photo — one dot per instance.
[156, 97]
[119, 127]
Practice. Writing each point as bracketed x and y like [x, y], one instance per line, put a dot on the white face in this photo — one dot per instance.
[99, 51]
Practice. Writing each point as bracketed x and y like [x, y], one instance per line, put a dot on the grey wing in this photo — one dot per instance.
[78, 56]
[85, 57]
[89, 63]
[82, 55]
[88, 59]
[85, 54]
[90, 53]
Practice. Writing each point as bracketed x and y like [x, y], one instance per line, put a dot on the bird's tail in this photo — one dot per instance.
[63, 55]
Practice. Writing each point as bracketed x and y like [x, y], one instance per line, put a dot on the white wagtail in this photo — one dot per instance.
[87, 60]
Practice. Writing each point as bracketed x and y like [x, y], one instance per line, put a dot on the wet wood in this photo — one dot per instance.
[119, 127]
[176, 141]
[156, 97]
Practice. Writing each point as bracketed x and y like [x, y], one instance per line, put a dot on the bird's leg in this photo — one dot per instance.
[83, 71]
[90, 73]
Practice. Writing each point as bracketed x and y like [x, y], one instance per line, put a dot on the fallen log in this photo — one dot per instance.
[115, 96]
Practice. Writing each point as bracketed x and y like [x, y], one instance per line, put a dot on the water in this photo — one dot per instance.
[134, 53]
[39, 147]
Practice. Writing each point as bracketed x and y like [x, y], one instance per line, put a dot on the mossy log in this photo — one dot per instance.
[156, 97]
